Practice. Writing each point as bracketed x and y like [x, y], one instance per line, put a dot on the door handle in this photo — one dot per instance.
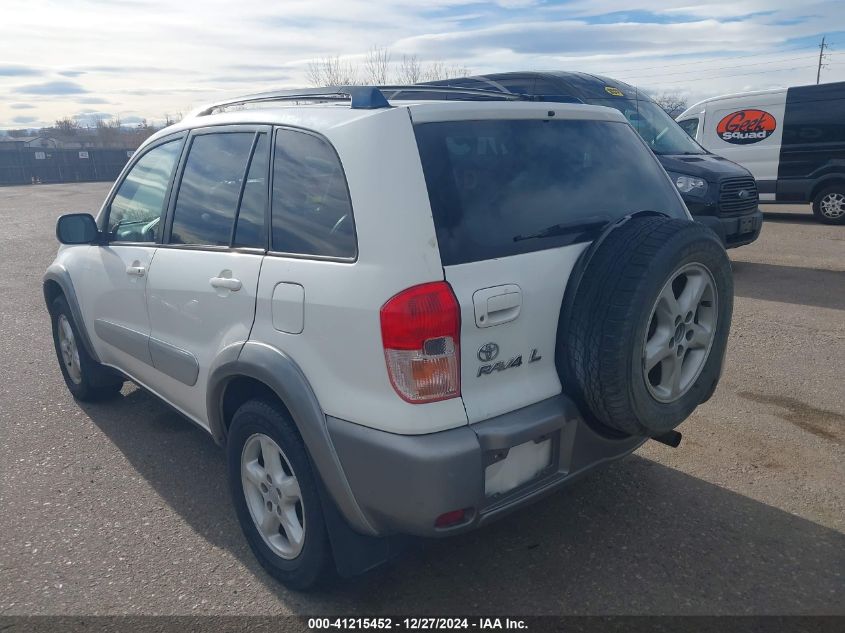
[227, 283]
[497, 305]
[137, 271]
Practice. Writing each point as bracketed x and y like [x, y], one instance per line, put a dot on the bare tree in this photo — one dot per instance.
[410, 71]
[331, 71]
[377, 65]
[314, 73]
[434, 71]
[67, 125]
[438, 70]
[673, 102]
[170, 119]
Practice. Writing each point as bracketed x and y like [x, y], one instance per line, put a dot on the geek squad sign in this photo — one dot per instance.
[746, 126]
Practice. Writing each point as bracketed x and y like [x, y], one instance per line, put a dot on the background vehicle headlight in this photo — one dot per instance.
[689, 184]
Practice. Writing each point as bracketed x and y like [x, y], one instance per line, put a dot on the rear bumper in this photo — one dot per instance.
[402, 483]
[734, 230]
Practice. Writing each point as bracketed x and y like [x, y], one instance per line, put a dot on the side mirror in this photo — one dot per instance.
[76, 228]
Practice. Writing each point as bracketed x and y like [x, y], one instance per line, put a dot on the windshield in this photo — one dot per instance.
[506, 187]
[657, 128]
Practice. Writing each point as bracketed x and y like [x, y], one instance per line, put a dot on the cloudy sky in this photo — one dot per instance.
[144, 58]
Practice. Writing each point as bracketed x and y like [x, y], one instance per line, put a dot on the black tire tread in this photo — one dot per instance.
[98, 382]
[598, 333]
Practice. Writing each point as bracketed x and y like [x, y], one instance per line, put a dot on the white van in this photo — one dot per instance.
[791, 139]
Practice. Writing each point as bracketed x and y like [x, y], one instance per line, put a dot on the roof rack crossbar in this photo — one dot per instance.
[361, 97]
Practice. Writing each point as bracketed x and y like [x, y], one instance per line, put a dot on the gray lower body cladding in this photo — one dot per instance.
[402, 483]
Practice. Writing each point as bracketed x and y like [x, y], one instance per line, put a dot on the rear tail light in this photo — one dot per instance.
[420, 331]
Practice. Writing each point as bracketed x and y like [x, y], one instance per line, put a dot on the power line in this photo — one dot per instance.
[707, 61]
[758, 72]
[683, 72]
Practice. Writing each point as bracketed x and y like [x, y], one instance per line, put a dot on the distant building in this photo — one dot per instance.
[29, 142]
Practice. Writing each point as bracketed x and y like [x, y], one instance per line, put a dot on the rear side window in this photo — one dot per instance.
[251, 229]
[500, 188]
[690, 126]
[311, 211]
[210, 188]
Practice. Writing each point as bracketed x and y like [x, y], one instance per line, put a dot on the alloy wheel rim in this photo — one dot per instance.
[273, 496]
[69, 350]
[833, 205]
[680, 333]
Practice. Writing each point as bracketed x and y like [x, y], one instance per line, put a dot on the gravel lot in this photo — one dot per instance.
[122, 507]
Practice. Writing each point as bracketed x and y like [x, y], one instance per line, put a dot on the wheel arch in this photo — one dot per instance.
[823, 183]
[255, 369]
[57, 282]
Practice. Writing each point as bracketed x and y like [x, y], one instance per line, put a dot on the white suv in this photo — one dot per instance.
[399, 317]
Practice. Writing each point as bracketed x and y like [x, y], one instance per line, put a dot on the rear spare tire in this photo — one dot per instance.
[642, 343]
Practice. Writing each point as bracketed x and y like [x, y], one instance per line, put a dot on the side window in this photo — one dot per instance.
[311, 214]
[210, 187]
[522, 85]
[690, 126]
[136, 210]
[251, 230]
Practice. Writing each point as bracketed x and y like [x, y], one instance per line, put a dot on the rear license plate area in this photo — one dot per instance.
[522, 464]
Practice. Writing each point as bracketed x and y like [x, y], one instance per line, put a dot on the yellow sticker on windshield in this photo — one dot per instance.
[614, 91]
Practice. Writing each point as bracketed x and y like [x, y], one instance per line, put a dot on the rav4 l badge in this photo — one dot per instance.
[489, 351]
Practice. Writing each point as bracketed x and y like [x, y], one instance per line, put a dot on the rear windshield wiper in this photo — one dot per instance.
[589, 224]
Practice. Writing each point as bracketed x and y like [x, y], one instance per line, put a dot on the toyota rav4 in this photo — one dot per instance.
[398, 317]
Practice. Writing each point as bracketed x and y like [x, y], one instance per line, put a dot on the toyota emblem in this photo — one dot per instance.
[488, 352]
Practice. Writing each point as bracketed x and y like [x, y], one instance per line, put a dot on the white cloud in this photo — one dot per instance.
[148, 57]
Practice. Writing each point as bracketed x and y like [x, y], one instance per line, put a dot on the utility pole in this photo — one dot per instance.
[821, 57]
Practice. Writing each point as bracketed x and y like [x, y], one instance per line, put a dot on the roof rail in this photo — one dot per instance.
[395, 91]
[361, 97]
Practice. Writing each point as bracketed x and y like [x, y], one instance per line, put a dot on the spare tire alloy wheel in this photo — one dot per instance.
[273, 496]
[642, 338]
[680, 333]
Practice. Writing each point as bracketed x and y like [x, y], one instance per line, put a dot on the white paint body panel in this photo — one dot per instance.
[188, 313]
[760, 158]
[107, 292]
[340, 349]
[541, 277]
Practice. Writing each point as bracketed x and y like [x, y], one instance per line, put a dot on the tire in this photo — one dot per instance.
[829, 205]
[622, 309]
[86, 379]
[296, 565]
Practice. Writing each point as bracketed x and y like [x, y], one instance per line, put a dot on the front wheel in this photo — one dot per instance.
[829, 205]
[86, 379]
[276, 496]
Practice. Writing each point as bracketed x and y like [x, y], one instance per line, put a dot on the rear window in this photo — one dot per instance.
[500, 188]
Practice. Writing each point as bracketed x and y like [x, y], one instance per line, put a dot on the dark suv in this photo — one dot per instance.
[718, 192]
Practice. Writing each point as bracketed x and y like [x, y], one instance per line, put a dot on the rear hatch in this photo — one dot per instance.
[517, 192]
